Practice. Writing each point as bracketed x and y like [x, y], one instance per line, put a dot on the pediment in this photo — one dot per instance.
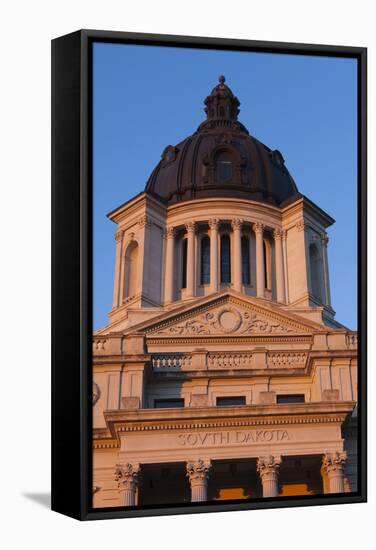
[229, 315]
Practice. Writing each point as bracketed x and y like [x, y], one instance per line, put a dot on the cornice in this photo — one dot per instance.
[215, 417]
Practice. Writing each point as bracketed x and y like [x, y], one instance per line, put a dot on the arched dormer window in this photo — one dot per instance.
[130, 270]
[205, 261]
[224, 167]
[225, 259]
[246, 274]
[184, 250]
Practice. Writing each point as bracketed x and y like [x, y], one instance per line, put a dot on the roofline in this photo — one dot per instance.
[143, 194]
[299, 197]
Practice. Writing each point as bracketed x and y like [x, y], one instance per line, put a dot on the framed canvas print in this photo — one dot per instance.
[209, 274]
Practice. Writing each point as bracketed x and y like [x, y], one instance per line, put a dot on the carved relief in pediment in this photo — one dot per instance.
[227, 320]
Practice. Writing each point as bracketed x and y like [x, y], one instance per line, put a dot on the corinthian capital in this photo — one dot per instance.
[324, 239]
[236, 224]
[334, 461]
[169, 232]
[190, 227]
[144, 221]
[198, 472]
[213, 223]
[301, 225]
[118, 235]
[277, 234]
[258, 227]
[268, 465]
[127, 475]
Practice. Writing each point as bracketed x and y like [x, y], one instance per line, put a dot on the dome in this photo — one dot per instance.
[221, 159]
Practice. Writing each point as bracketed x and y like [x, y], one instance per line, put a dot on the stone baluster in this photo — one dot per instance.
[279, 268]
[169, 265]
[190, 227]
[213, 224]
[258, 228]
[332, 465]
[237, 254]
[127, 477]
[198, 474]
[268, 468]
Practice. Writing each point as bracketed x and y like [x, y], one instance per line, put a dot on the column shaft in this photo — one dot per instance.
[324, 245]
[237, 255]
[260, 267]
[333, 464]
[280, 280]
[118, 261]
[267, 467]
[198, 474]
[213, 255]
[127, 476]
[169, 266]
[191, 259]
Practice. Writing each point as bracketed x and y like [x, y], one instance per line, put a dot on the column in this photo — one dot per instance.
[258, 228]
[324, 247]
[237, 254]
[280, 280]
[119, 242]
[213, 224]
[127, 476]
[198, 474]
[267, 467]
[169, 265]
[190, 227]
[332, 465]
[284, 252]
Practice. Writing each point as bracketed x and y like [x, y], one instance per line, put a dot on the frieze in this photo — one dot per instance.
[213, 439]
[228, 320]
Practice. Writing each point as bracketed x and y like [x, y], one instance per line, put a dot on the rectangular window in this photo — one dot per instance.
[231, 401]
[293, 398]
[168, 403]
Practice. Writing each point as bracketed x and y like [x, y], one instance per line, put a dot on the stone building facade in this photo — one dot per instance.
[222, 373]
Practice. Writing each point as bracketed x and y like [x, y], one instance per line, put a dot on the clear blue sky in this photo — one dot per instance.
[148, 97]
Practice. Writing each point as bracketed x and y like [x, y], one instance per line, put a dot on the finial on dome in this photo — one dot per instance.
[221, 79]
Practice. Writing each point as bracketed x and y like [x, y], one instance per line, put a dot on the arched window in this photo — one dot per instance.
[225, 259]
[224, 167]
[130, 270]
[205, 260]
[314, 266]
[246, 277]
[184, 250]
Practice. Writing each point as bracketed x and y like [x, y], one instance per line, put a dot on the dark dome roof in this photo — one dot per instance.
[221, 159]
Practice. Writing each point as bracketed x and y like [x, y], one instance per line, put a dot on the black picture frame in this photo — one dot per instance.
[72, 270]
